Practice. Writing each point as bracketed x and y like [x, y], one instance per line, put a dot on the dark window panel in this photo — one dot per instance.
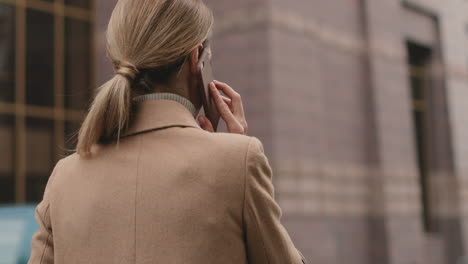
[418, 55]
[39, 156]
[39, 58]
[7, 164]
[71, 136]
[7, 53]
[77, 64]
[416, 88]
[418, 59]
[79, 3]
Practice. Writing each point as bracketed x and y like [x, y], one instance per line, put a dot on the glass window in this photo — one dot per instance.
[39, 156]
[39, 58]
[418, 62]
[7, 171]
[7, 53]
[78, 3]
[77, 61]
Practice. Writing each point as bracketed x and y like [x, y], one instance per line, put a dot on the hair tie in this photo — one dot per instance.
[127, 70]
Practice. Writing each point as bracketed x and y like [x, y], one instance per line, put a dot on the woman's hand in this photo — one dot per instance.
[230, 109]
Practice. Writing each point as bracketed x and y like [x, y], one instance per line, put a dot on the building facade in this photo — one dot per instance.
[360, 105]
[46, 77]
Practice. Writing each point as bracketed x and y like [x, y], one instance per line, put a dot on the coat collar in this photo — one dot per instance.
[158, 114]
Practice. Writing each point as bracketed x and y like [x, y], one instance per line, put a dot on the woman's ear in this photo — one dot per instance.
[194, 58]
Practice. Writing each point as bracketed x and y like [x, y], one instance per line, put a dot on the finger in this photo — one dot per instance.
[228, 102]
[205, 123]
[241, 120]
[235, 97]
[238, 108]
[228, 90]
[222, 107]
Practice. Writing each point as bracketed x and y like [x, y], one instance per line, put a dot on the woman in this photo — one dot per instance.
[148, 183]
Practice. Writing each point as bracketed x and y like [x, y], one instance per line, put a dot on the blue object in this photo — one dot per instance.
[17, 225]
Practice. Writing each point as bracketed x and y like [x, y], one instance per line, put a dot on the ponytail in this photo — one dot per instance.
[109, 112]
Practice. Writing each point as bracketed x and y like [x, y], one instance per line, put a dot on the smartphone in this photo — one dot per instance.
[205, 75]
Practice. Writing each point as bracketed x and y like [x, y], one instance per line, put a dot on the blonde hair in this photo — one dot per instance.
[142, 34]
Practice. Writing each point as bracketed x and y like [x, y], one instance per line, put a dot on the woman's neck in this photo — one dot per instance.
[180, 87]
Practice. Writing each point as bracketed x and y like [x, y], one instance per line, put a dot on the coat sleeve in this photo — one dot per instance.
[42, 245]
[267, 241]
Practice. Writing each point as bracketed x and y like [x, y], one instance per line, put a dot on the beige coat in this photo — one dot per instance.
[170, 193]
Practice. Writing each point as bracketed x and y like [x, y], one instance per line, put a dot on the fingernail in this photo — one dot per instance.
[201, 120]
